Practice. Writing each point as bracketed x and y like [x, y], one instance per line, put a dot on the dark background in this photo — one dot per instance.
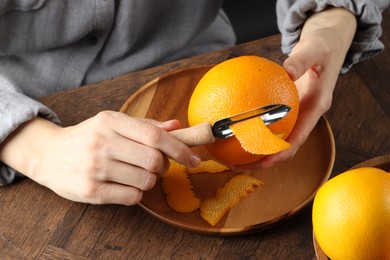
[252, 19]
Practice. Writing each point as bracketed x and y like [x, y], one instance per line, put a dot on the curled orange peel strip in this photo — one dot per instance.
[178, 189]
[255, 137]
[213, 209]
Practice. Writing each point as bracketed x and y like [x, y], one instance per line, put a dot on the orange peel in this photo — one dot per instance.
[178, 189]
[208, 166]
[213, 209]
[265, 142]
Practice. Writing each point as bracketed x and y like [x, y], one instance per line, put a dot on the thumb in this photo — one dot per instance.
[302, 58]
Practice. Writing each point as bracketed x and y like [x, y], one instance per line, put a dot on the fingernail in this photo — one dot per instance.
[169, 122]
[195, 160]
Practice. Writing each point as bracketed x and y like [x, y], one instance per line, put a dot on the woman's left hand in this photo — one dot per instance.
[314, 64]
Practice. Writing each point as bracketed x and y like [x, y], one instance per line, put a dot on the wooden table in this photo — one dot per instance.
[35, 223]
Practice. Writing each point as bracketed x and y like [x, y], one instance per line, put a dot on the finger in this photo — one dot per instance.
[129, 175]
[133, 153]
[304, 56]
[304, 126]
[267, 161]
[112, 193]
[169, 125]
[155, 137]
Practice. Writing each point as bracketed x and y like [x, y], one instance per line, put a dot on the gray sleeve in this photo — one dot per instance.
[366, 43]
[15, 109]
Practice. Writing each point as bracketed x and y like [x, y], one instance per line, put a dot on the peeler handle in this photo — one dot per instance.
[195, 135]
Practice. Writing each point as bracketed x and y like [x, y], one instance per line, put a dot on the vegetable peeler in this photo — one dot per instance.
[206, 133]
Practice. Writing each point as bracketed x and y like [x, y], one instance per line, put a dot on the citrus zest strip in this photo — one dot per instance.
[178, 189]
[213, 209]
[255, 137]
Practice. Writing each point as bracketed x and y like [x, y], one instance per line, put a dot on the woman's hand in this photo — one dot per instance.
[110, 158]
[314, 64]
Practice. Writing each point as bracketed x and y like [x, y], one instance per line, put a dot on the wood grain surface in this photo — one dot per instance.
[38, 224]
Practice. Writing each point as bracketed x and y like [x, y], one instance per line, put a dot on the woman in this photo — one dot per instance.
[48, 46]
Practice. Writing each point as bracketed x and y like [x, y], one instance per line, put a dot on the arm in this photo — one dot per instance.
[314, 64]
[16, 108]
[292, 15]
[322, 38]
[110, 158]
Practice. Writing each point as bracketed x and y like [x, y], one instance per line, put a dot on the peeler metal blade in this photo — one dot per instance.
[269, 114]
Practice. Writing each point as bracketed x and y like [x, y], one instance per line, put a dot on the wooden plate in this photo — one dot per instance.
[288, 187]
[382, 162]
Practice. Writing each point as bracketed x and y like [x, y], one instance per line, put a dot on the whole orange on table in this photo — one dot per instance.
[351, 215]
[238, 85]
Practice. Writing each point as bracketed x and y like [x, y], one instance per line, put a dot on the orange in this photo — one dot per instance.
[235, 86]
[351, 215]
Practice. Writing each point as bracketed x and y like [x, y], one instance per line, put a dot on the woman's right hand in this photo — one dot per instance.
[108, 159]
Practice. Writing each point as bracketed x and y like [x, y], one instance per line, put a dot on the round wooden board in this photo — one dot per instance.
[288, 187]
[382, 162]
